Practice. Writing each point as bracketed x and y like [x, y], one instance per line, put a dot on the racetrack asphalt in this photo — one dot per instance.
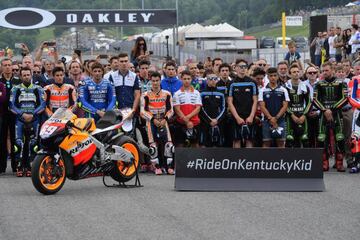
[86, 209]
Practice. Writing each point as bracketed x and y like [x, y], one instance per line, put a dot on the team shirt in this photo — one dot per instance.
[273, 98]
[125, 86]
[188, 100]
[242, 91]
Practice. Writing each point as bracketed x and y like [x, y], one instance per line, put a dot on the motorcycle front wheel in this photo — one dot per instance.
[123, 171]
[47, 177]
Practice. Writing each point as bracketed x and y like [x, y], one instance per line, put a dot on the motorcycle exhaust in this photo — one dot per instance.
[121, 153]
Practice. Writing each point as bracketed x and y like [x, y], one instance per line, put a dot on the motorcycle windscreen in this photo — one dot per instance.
[80, 146]
[49, 129]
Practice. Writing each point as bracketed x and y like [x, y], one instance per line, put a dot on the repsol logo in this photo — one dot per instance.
[26, 18]
[81, 146]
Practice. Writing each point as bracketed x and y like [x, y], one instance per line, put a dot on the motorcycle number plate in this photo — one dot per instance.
[47, 130]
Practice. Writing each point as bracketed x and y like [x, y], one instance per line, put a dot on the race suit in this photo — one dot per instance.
[299, 105]
[223, 86]
[330, 94]
[198, 84]
[97, 96]
[26, 99]
[158, 105]
[59, 96]
[354, 99]
[213, 107]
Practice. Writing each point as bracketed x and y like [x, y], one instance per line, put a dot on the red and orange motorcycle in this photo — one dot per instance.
[76, 148]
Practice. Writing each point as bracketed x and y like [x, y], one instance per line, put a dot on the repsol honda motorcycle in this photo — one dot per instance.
[76, 148]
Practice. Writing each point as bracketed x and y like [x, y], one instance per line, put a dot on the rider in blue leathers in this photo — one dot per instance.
[27, 103]
[97, 95]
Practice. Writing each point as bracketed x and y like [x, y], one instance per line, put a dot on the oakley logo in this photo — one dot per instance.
[23, 18]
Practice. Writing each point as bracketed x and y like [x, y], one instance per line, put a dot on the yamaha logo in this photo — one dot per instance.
[26, 18]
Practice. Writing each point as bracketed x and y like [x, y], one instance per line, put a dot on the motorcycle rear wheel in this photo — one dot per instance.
[47, 179]
[123, 171]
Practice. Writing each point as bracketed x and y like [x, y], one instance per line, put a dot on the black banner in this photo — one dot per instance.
[31, 18]
[260, 164]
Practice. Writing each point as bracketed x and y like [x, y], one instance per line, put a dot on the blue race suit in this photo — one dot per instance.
[97, 96]
[26, 99]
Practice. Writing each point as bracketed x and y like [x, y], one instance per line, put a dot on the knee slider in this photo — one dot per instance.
[321, 137]
[153, 151]
[289, 138]
[18, 146]
[169, 151]
[339, 137]
[304, 137]
[33, 145]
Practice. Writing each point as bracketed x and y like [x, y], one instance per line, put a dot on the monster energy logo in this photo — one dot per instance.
[329, 92]
[296, 98]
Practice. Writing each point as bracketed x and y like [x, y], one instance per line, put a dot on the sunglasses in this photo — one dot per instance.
[262, 65]
[212, 79]
[15, 70]
[312, 73]
[243, 66]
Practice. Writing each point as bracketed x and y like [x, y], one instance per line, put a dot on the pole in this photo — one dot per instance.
[121, 29]
[283, 21]
[177, 29]
[77, 38]
[142, 7]
[167, 47]
[283, 30]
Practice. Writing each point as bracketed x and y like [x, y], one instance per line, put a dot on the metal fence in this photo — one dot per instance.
[271, 55]
[183, 54]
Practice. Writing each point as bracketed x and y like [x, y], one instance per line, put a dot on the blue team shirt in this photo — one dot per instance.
[273, 98]
[125, 87]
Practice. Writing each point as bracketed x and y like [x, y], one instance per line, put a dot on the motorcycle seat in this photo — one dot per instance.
[110, 118]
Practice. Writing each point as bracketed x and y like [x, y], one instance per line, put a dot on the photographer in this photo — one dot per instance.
[139, 52]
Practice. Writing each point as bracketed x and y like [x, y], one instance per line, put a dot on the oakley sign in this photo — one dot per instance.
[31, 18]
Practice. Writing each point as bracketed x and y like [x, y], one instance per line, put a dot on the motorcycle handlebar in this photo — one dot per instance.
[72, 125]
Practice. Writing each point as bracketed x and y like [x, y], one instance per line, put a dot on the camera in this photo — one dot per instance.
[78, 52]
[50, 44]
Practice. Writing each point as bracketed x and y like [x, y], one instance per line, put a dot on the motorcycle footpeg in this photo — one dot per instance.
[121, 154]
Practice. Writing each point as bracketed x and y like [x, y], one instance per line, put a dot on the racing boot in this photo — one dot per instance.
[325, 162]
[339, 162]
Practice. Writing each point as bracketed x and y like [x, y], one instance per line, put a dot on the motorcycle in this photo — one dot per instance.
[76, 148]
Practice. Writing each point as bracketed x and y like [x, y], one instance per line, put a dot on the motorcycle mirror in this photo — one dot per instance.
[127, 126]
